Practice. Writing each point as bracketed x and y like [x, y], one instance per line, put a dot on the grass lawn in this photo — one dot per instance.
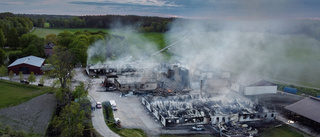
[283, 131]
[9, 51]
[123, 132]
[13, 93]
[46, 25]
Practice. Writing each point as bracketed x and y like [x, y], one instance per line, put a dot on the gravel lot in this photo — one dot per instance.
[31, 116]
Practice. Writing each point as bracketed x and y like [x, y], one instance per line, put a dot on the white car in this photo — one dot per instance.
[198, 128]
[98, 105]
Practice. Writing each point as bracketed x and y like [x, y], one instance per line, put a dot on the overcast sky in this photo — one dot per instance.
[205, 9]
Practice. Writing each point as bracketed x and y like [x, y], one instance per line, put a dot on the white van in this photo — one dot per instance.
[113, 105]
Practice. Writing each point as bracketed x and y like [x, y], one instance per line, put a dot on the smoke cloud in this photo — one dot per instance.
[262, 48]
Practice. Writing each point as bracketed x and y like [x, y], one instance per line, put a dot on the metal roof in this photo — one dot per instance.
[263, 83]
[30, 60]
[308, 107]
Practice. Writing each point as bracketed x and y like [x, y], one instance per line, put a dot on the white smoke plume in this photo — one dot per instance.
[247, 47]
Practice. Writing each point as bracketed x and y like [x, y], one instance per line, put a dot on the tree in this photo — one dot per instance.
[11, 75]
[21, 77]
[74, 116]
[2, 39]
[22, 30]
[41, 81]
[24, 41]
[31, 50]
[32, 78]
[52, 38]
[2, 56]
[61, 62]
[3, 71]
[32, 45]
[41, 22]
[71, 120]
[13, 38]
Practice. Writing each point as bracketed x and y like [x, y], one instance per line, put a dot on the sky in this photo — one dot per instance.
[196, 9]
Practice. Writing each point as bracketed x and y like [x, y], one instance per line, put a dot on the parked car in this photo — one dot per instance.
[113, 105]
[198, 128]
[98, 105]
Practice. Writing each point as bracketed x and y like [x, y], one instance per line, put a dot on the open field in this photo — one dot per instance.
[283, 131]
[46, 25]
[12, 93]
[42, 32]
[153, 37]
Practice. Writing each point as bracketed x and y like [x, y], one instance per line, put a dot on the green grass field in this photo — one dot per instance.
[13, 93]
[284, 131]
[42, 32]
[46, 25]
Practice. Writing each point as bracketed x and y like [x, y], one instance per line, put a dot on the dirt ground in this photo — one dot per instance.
[31, 116]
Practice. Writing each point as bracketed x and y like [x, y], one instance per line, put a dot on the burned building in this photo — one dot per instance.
[110, 69]
[157, 77]
[134, 84]
[161, 78]
[210, 81]
[212, 109]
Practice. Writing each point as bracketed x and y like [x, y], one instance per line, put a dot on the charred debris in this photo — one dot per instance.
[157, 78]
[176, 97]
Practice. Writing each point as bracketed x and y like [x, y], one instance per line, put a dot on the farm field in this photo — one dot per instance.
[42, 32]
[12, 93]
[152, 37]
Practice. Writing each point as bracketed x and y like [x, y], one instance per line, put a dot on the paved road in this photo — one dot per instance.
[32, 29]
[100, 125]
[131, 112]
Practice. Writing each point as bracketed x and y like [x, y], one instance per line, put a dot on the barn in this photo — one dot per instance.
[306, 111]
[27, 65]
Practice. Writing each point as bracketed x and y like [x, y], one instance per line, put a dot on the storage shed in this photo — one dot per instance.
[27, 65]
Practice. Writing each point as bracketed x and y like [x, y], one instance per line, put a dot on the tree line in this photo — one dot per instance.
[12, 28]
[140, 23]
